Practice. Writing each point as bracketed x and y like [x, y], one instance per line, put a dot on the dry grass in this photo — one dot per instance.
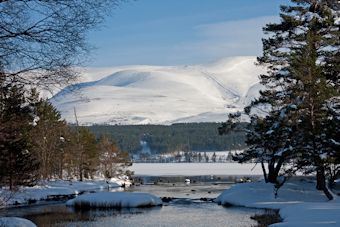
[267, 218]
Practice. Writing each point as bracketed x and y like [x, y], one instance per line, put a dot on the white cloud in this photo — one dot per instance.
[231, 38]
[198, 44]
[237, 28]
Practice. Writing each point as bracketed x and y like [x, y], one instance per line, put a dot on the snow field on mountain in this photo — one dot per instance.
[161, 94]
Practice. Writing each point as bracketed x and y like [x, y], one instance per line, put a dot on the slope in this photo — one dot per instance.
[162, 94]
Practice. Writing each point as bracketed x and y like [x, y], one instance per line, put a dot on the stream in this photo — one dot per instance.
[189, 205]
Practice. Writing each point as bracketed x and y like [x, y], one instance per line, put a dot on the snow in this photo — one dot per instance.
[299, 202]
[16, 222]
[335, 142]
[44, 190]
[252, 93]
[115, 199]
[195, 169]
[162, 94]
[309, 16]
[311, 214]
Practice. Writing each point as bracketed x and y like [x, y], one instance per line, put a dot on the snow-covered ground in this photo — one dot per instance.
[50, 189]
[162, 94]
[300, 204]
[115, 200]
[195, 169]
[15, 222]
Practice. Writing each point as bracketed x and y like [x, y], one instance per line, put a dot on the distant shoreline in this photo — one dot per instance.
[195, 169]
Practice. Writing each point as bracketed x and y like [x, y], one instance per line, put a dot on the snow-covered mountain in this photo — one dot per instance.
[162, 94]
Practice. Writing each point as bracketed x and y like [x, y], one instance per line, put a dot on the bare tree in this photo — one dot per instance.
[113, 161]
[41, 40]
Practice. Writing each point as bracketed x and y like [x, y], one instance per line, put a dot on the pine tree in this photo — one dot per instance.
[269, 144]
[331, 139]
[48, 138]
[18, 165]
[302, 56]
[302, 77]
[312, 93]
[206, 157]
[213, 157]
[87, 157]
[199, 157]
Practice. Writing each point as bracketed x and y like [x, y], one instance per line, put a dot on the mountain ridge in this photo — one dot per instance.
[162, 94]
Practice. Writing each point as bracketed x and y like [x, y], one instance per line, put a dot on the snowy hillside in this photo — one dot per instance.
[162, 94]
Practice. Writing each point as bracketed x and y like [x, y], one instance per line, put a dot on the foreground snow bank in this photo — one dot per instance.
[261, 195]
[311, 214]
[115, 200]
[299, 202]
[16, 222]
[50, 190]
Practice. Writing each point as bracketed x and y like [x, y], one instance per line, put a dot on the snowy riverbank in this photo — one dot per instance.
[299, 202]
[54, 190]
[115, 200]
[15, 222]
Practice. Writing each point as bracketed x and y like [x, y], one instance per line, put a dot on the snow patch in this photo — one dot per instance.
[299, 202]
[115, 200]
[47, 189]
[16, 222]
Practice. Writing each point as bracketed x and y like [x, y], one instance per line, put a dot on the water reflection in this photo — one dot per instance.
[182, 190]
[60, 215]
[182, 212]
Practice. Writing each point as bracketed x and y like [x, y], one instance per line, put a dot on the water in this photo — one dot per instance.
[190, 206]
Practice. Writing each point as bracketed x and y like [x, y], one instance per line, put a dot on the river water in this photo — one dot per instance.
[191, 205]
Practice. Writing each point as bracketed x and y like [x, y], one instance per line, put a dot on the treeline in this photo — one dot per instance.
[176, 137]
[36, 144]
[189, 156]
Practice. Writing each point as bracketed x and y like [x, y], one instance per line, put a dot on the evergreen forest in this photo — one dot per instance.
[170, 138]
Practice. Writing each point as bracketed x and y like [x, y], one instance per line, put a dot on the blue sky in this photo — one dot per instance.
[179, 32]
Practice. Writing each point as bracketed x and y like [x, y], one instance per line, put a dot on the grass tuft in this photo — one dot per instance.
[267, 218]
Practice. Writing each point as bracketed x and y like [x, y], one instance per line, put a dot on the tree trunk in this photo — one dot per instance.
[321, 182]
[80, 173]
[11, 169]
[272, 177]
[273, 171]
[10, 182]
[264, 172]
[278, 168]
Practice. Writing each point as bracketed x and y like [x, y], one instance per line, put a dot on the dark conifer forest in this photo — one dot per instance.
[176, 137]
